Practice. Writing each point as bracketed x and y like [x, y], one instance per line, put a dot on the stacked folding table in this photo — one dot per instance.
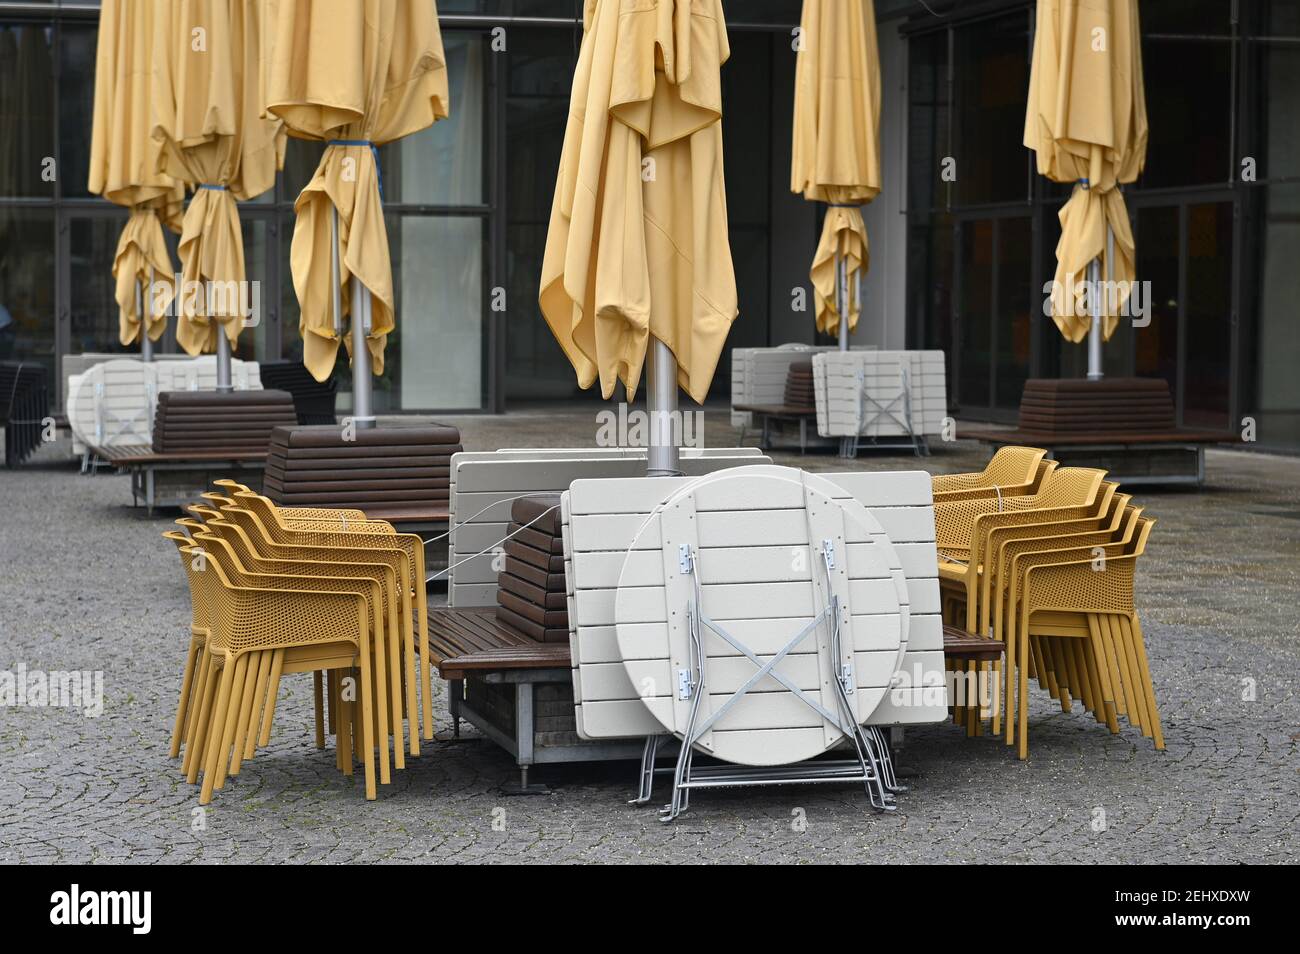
[880, 398]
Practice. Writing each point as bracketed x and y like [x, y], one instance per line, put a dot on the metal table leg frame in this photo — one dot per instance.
[851, 445]
[646, 781]
[871, 756]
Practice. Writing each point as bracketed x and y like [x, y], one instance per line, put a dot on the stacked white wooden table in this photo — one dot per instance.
[878, 395]
[757, 566]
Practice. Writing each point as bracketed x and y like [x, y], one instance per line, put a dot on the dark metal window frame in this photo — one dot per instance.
[1245, 198]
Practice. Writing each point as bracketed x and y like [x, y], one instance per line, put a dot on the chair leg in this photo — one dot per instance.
[1136, 707]
[1022, 695]
[397, 653]
[197, 744]
[272, 695]
[426, 672]
[343, 741]
[1105, 672]
[1140, 713]
[995, 687]
[182, 707]
[194, 724]
[375, 671]
[368, 699]
[318, 697]
[261, 706]
[1106, 639]
[1134, 628]
[247, 705]
[332, 693]
[216, 721]
[227, 737]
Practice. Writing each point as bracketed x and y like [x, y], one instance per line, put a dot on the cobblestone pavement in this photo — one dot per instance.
[87, 584]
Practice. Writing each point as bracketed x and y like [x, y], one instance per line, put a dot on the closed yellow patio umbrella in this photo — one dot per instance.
[835, 156]
[208, 119]
[637, 248]
[1087, 123]
[124, 167]
[356, 75]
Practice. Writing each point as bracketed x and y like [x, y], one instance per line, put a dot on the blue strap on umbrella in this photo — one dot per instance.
[374, 151]
[214, 188]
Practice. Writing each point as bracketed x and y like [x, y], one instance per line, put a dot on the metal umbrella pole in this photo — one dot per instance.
[224, 382]
[842, 298]
[362, 384]
[663, 456]
[1095, 372]
[847, 444]
[141, 299]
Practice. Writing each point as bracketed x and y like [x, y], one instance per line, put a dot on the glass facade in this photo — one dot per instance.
[1214, 212]
[466, 204]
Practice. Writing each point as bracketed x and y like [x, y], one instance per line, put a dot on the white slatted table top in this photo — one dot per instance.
[112, 403]
[764, 596]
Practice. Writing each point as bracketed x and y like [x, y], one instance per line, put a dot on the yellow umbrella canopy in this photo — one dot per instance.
[637, 245]
[835, 156]
[1087, 123]
[124, 163]
[357, 75]
[208, 119]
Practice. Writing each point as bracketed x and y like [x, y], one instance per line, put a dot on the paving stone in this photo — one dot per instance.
[87, 583]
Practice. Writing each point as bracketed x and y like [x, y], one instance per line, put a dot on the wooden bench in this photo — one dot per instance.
[495, 676]
[474, 640]
[1131, 457]
[961, 645]
[1127, 426]
[966, 655]
[767, 413]
[174, 480]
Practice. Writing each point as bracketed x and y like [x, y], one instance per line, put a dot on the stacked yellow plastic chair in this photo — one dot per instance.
[253, 562]
[1032, 571]
[332, 540]
[1072, 614]
[1012, 472]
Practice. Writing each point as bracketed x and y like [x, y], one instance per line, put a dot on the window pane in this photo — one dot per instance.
[1203, 17]
[93, 303]
[253, 341]
[992, 74]
[76, 105]
[928, 120]
[1209, 315]
[443, 165]
[1189, 119]
[436, 355]
[27, 111]
[1278, 397]
[1277, 81]
[1156, 345]
[1016, 309]
[27, 287]
[974, 315]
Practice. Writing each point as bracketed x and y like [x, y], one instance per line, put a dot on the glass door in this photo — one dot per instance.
[993, 310]
[1185, 250]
